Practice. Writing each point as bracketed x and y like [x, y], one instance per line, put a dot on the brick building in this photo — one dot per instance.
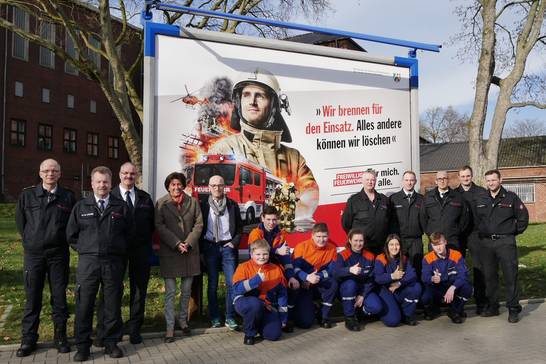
[522, 163]
[50, 110]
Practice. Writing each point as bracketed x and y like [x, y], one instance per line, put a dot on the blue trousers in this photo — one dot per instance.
[304, 310]
[348, 289]
[402, 302]
[434, 293]
[258, 319]
[217, 256]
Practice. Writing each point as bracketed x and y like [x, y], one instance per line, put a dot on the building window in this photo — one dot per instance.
[70, 101]
[20, 44]
[47, 32]
[93, 106]
[113, 147]
[525, 191]
[45, 95]
[45, 137]
[93, 144]
[18, 132]
[19, 90]
[69, 140]
[94, 57]
[70, 49]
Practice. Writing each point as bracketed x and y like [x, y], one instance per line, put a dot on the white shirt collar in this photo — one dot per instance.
[52, 191]
[105, 199]
[123, 191]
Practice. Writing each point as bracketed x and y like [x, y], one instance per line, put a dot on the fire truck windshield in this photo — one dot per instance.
[203, 172]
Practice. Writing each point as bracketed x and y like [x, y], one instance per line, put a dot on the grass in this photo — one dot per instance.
[532, 258]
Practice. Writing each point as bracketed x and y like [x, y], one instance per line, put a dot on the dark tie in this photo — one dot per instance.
[409, 196]
[50, 197]
[129, 202]
[101, 206]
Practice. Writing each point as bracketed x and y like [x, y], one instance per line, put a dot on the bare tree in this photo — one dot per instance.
[524, 128]
[91, 26]
[440, 125]
[503, 35]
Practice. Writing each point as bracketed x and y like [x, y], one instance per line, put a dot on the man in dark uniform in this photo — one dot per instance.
[405, 205]
[368, 210]
[99, 229]
[501, 216]
[445, 210]
[42, 215]
[470, 239]
[140, 205]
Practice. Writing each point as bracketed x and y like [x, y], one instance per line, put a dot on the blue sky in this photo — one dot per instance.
[444, 80]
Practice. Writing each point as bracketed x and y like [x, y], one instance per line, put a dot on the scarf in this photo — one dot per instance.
[218, 208]
[178, 200]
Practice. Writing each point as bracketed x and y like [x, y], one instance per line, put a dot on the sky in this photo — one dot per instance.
[443, 79]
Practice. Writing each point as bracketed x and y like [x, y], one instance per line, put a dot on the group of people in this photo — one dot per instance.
[381, 271]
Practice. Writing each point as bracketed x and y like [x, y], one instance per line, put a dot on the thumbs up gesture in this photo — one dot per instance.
[437, 277]
[284, 249]
[355, 269]
[313, 278]
[397, 274]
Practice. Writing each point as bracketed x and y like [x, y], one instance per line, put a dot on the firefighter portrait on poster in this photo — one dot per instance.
[254, 105]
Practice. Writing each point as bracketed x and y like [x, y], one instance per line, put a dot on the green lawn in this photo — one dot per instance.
[532, 251]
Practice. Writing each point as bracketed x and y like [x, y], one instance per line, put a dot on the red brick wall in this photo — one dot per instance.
[536, 175]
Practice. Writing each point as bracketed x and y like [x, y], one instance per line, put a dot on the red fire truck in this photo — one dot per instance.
[247, 183]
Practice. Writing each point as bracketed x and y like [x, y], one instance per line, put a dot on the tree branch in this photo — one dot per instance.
[528, 103]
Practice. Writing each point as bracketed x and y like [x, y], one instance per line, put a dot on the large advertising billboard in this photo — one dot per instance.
[287, 128]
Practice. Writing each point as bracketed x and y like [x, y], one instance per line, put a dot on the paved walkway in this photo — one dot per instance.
[478, 340]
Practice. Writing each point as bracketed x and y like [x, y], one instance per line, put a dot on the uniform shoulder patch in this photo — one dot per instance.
[430, 257]
[29, 187]
[368, 255]
[345, 254]
[382, 258]
[455, 255]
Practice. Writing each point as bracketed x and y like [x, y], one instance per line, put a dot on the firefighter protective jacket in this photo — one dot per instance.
[405, 214]
[503, 215]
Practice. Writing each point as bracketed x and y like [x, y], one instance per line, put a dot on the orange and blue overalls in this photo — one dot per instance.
[453, 272]
[276, 238]
[308, 258]
[351, 285]
[405, 298]
[261, 303]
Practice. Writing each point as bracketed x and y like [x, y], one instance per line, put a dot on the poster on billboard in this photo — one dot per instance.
[292, 129]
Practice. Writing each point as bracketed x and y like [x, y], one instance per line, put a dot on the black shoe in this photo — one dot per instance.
[135, 339]
[61, 343]
[98, 342]
[168, 339]
[490, 312]
[288, 328]
[351, 323]
[113, 350]
[25, 350]
[186, 331]
[513, 316]
[325, 323]
[479, 310]
[409, 320]
[431, 312]
[81, 355]
[249, 340]
[455, 317]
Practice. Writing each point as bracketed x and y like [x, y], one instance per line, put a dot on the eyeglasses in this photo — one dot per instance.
[216, 186]
[441, 178]
[52, 171]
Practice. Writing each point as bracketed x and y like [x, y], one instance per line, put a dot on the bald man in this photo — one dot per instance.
[42, 215]
[445, 211]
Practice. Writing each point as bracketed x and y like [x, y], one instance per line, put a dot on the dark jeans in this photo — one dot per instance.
[476, 251]
[413, 249]
[36, 267]
[94, 272]
[218, 257]
[501, 252]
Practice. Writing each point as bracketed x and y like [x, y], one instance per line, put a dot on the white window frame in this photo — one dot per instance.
[525, 191]
[94, 57]
[47, 56]
[17, 38]
[70, 48]
[46, 95]
[70, 101]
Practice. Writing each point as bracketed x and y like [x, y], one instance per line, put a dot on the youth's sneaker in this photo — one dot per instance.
[232, 324]
[215, 323]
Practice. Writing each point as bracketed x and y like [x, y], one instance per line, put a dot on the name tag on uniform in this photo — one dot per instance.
[88, 214]
[398, 206]
[480, 205]
[505, 205]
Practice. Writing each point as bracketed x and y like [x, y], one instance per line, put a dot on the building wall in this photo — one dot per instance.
[21, 162]
[534, 175]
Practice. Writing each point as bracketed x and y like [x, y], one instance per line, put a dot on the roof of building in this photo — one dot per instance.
[513, 152]
[319, 38]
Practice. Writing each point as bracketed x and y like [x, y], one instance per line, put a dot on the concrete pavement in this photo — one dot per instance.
[479, 340]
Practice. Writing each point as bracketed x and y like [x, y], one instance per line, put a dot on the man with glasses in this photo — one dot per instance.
[445, 210]
[219, 243]
[42, 215]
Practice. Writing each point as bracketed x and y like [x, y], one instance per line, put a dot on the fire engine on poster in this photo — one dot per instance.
[247, 183]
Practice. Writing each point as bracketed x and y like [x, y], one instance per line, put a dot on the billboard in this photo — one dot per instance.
[285, 124]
